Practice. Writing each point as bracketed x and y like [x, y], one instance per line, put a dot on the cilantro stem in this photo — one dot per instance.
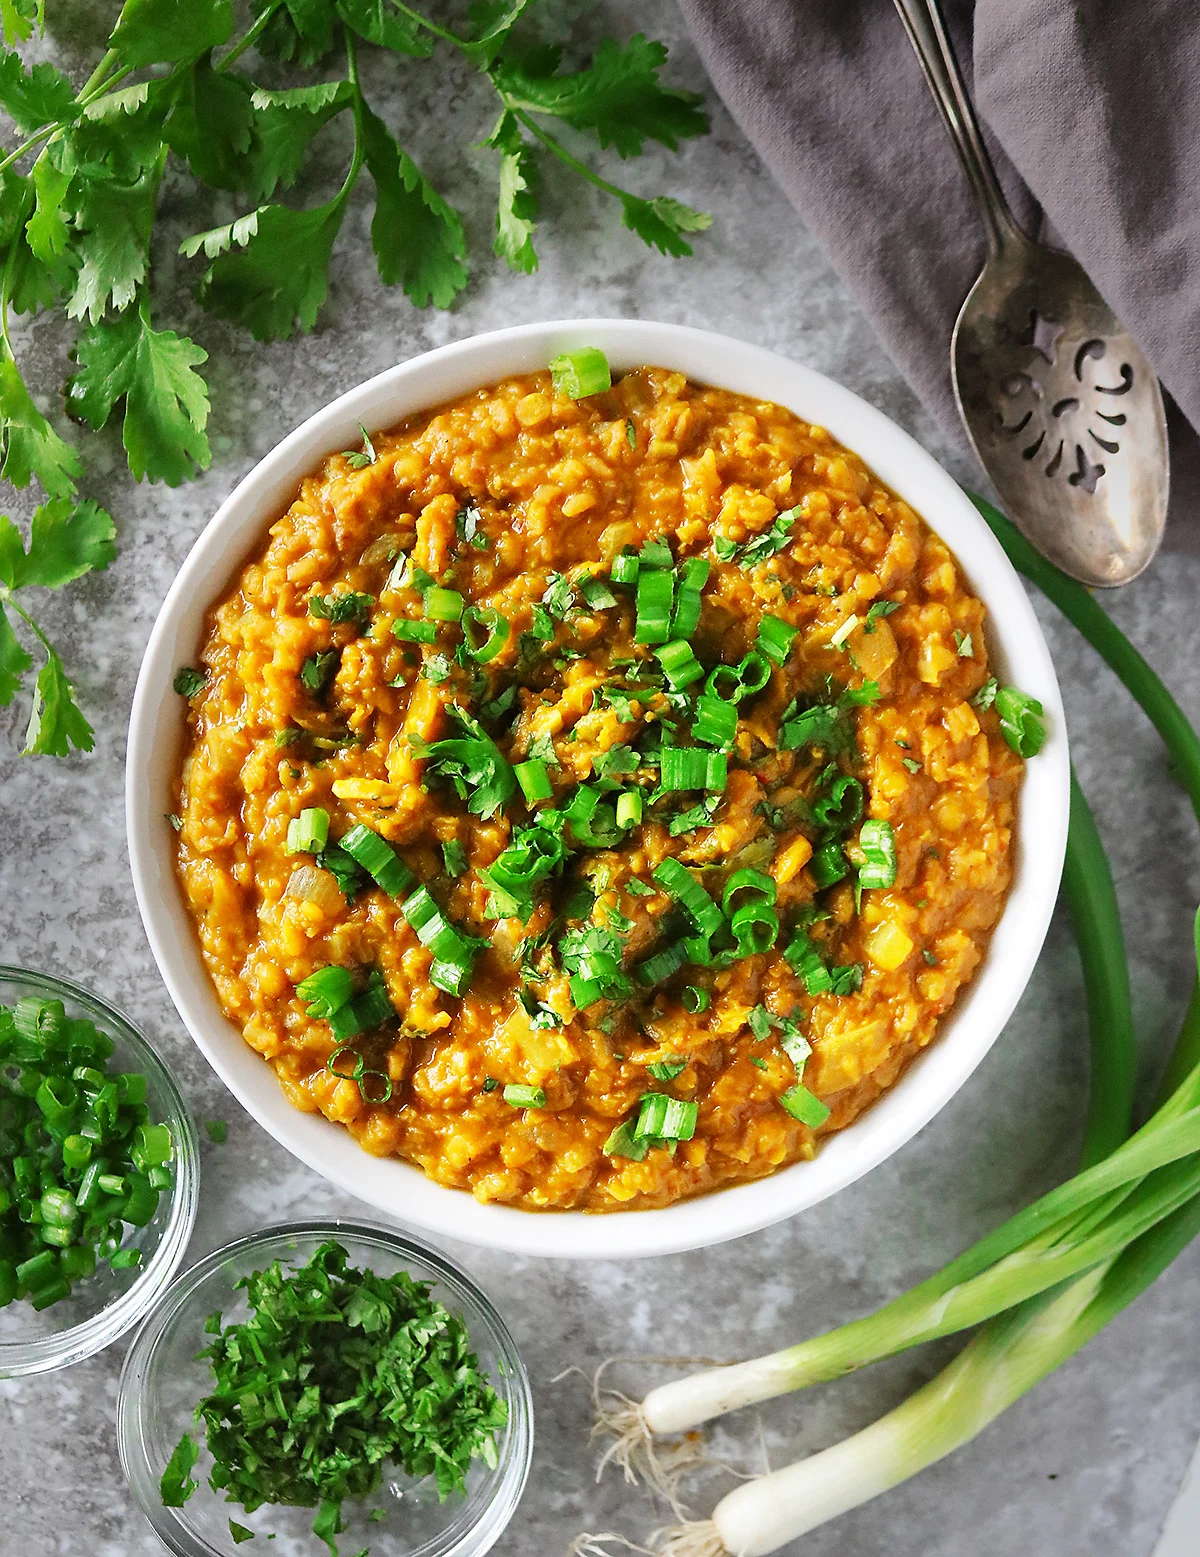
[10, 599]
[423, 21]
[560, 151]
[251, 35]
[97, 85]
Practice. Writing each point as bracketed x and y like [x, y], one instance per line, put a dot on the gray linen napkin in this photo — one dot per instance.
[1092, 112]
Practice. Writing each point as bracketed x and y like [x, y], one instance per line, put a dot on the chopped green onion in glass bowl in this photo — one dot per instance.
[99, 1174]
[300, 1430]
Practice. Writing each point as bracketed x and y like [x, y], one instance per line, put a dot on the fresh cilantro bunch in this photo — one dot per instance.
[79, 193]
[336, 1375]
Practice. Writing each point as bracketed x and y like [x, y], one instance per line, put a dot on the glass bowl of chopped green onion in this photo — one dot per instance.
[335, 1386]
[99, 1174]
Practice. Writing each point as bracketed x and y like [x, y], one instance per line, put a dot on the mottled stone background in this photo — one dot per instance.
[1087, 1464]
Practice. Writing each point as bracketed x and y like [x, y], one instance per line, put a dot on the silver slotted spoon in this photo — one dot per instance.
[1062, 408]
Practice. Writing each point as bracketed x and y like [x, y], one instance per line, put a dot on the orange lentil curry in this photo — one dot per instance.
[596, 801]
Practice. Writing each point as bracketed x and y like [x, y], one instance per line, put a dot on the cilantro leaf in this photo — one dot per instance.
[418, 239]
[29, 444]
[153, 32]
[17, 18]
[65, 542]
[877, 609]
[284, 124]
[491, 23]
[43, 96]
[210, 124]
[46, 230]
[618, 95]
[14, 660]
[32, 286]
[269, 270]
[239, 1533]
[166, 400]
[661, 223]
[114, 219]
[517, 208]
[300, 30]
[379, 22]
[55, 722]
[176, 1485]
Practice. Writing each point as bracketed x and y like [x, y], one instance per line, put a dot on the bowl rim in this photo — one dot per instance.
[60, 1349]
[1016, 645]
[513, 1470]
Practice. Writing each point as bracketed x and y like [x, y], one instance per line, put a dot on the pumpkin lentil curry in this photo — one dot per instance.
[596, 801]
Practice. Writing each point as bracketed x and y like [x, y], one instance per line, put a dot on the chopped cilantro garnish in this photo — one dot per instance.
[911, 764]
[319, 670]
[541, 747]
[638, 887]
[216, 1130]
[877, 609]
[630, 433]
[466, 522]
[358, 459]
[964, 645]
[616, 760]
[336, 1374]
[188, 681]
[986, 695]
[559, 596]
[239, 1533]
[767, 544]
[345, 607]
[436, 668]
[454, 857]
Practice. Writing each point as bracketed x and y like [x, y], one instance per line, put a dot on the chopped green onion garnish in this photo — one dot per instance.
[656, 554]
[625, 568]
[629, 808]
[775, 638]
[842, 807]
[378, 859]
[495, 628]
[829, 864]
[664, 964]
[679, 664]
[624, 1143]
[666, 1118]
[755, 927]
[732, 683]
[806, 962]
[877, 840]
[695, 999]
[414, 632]
[716, 721]
[655, 597]
[326, 991]
[534, 780]
[518, 1096]
[691, 767]
[580, 373]
[1021, 722]
[308, 833]
[443, 605]
[692, 578]
[679, 882]
[804, 1106]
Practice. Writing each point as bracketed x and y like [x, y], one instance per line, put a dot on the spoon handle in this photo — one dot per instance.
[927, 33]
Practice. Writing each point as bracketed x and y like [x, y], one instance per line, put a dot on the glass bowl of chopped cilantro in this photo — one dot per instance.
[99, 1174]
[334, 1387]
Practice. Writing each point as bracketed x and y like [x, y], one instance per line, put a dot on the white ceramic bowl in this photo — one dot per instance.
[156, 729]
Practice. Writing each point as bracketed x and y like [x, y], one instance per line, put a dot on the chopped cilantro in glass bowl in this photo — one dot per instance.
[293, 1345]
[118, 1259]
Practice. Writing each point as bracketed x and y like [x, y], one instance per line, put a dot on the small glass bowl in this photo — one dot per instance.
[110, 1302]
[163, 1381]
